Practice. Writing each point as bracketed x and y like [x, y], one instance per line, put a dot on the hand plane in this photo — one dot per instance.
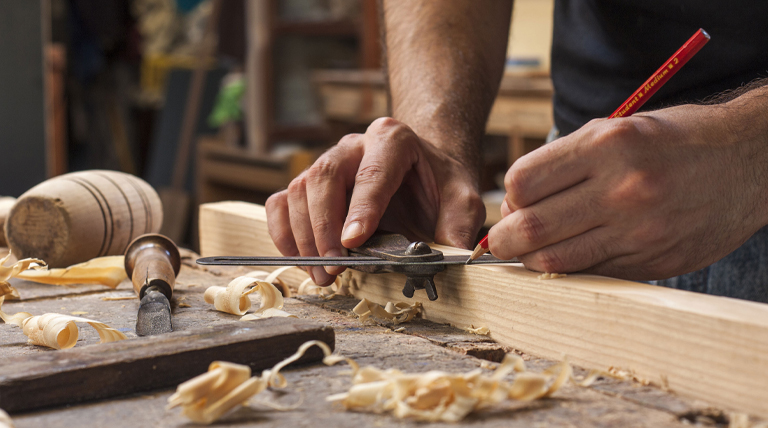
[381, 253]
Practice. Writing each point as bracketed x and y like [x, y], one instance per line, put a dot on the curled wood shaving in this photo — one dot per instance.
[109, 271]
[396, 312]
[15, 270]
[440, 396]
[233, 299]
[307, 287]
[548, 275]
[5, 420]
[55, 330]
[274, 278]
[206, 398]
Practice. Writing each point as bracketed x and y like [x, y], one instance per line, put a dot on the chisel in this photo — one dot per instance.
[152, 261]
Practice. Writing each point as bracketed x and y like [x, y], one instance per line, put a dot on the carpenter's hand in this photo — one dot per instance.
[388, 178]
[646, 197]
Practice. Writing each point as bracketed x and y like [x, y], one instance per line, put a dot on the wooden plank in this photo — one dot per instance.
[130, 366]
[701, 346]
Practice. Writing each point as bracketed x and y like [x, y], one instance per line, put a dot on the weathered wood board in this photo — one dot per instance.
[702, 346]
[144, 364]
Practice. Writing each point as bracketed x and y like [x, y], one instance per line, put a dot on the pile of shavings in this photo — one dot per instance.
[52, 330]
[398, 313]
[440, 396]
[233, 299]
[206, 398]
[431, 396]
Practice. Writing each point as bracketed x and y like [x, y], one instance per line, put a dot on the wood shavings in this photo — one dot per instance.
[233, 299]
[206, 398]
[58, 331]
[623, 374]
[109, 271]
[5, 420]
[396, 312]
[440, 396]
[548, 275]
[482, 330]
[274, 278]
[55, 330]
[14, 270]
[307, 287]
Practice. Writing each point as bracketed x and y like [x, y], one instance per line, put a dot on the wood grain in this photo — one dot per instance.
[120, 368]
[701, 346]
[78, 216]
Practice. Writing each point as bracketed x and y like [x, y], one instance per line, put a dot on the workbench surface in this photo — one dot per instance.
[422, 346]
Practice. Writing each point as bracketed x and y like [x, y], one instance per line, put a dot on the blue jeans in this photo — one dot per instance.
[742, 274]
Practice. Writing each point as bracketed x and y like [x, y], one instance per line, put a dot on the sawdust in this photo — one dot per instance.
[548, 275]
[396, 312]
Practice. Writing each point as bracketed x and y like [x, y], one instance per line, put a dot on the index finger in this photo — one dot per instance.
[327, 182]
[390, 152]
[549, 169]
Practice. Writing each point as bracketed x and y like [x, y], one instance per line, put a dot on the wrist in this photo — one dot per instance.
[742, 126]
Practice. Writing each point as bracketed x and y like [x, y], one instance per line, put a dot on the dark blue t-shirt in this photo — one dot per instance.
[602, 51]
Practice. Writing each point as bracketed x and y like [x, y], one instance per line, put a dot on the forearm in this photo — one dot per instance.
[444, 62]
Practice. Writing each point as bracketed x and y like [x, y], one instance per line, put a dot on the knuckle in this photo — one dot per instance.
[384, 123]
[349, 140]
[515, 183]
[530, 228]
[321, 226]
[305, 243]
[298, 184]
[370, 173]
[276, 202]
[322, 169]
[616, 134]
[549, 261]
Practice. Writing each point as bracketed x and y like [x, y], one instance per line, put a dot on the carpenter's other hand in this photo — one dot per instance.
[389, 178]
[646, 197]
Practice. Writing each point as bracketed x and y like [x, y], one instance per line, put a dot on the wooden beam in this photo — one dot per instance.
[702, 346]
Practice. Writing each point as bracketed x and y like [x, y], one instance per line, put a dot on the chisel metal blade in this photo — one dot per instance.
[154, 315]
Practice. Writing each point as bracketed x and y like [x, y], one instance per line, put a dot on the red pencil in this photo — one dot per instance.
[641, 95]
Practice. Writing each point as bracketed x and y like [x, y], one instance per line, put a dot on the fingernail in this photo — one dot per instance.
[320, 276]
[352, 231]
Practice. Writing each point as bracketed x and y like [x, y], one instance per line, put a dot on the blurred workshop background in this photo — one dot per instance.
[213, 100]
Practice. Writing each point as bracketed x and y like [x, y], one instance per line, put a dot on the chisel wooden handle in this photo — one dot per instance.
[76, 217]
[152, 260]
